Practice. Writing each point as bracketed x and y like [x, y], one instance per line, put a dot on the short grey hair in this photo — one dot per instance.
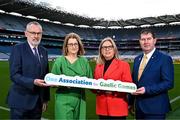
[33, 23]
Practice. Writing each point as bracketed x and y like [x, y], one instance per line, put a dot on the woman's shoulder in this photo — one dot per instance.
[59, 59]
[82, 58]
[120, 61]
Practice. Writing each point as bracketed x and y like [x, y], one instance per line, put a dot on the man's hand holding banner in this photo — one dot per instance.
[84, 82]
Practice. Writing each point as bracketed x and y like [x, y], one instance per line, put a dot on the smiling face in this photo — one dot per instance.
[147, 42]
[34, 34]
[72, 46]
[107, 50]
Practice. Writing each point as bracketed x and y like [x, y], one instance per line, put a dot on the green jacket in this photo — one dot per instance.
[80, 68]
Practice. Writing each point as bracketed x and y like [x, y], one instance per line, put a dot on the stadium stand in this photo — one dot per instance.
[12, 28]
[12, 31]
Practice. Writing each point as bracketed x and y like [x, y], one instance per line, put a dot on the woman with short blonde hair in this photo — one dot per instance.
[111, 104]
[101, 58]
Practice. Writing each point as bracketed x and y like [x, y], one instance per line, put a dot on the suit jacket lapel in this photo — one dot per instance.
[150, 62]
[30, 51]
[40, 54]
[136, 67]
[41, 61]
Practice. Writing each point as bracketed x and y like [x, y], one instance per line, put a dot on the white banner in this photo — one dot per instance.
[84, 82]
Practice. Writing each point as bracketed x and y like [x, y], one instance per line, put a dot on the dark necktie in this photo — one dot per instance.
[35, 53]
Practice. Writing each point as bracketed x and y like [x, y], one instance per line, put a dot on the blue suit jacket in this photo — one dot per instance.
[157, 78]
[24, 68]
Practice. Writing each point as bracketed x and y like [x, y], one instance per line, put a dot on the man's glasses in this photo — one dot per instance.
[107, 47]
[35, 33]
[72, 44]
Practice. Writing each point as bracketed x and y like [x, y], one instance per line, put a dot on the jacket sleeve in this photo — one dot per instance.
[46, 92]
[127, 73]
[56, 69]
[89, 70]
[96, 76]
[126, 76]
[15, 62]
[166, 78]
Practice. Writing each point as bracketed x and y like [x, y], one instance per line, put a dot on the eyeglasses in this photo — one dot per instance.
[73, 44]
[107, 47]
[35, 33]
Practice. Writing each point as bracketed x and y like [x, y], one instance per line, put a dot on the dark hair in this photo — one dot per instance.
[147, 31]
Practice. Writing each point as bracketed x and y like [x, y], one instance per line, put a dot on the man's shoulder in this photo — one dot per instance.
[122, 62]
[139, 56]
[43, 48]
[19, 45]
[163, 54]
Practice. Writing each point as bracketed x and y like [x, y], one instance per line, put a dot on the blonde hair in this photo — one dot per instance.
[77, 37]
[101, 59]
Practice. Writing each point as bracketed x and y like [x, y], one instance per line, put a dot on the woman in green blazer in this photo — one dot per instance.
[69, 101]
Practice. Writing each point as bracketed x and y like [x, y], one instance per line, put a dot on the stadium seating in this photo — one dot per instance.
[12, 28]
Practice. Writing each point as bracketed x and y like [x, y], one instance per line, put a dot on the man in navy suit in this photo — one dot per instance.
[28, 94]
[151, 97]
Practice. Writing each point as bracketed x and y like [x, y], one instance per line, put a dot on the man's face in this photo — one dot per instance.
[34, 34]
[147, 42]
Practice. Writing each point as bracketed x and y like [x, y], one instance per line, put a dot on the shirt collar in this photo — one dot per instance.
[31, 45]
[150, 54]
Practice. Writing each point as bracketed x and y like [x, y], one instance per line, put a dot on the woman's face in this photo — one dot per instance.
[107, 50]
[72, 46]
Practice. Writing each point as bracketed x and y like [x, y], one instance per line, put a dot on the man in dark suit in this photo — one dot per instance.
[28, 94]
[153, 73]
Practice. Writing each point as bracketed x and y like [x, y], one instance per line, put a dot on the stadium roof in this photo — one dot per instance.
[44, 12]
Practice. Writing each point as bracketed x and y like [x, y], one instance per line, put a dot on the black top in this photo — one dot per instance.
[107, 64]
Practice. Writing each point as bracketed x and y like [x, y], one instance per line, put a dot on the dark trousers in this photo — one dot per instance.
[112, 117]
[140, 115]
[35, 113]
